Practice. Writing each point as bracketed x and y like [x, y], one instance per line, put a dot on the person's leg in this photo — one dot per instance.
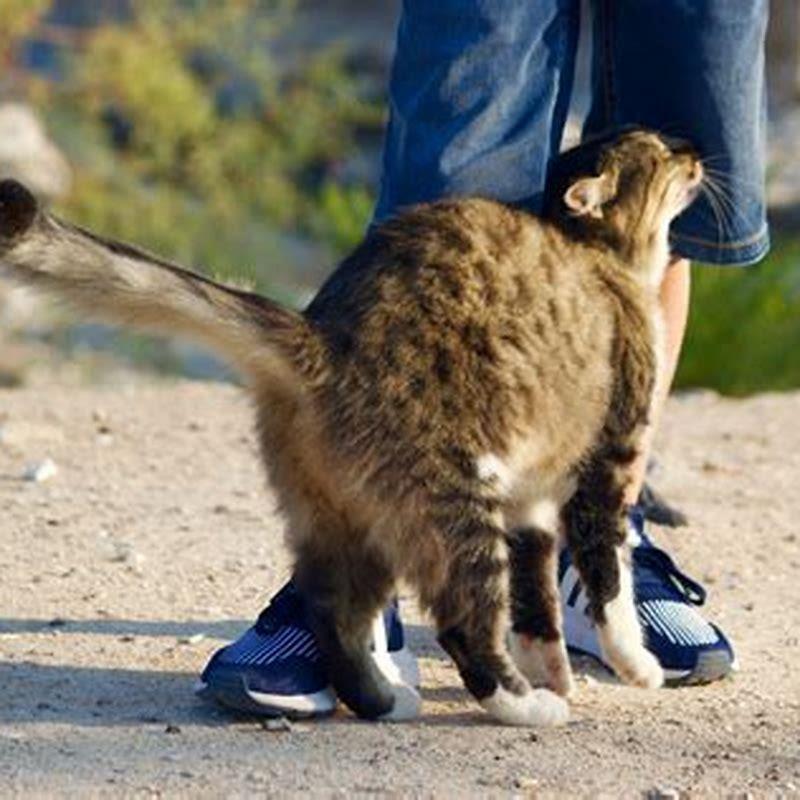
[674, 302]
[692, 70]
[478, 98]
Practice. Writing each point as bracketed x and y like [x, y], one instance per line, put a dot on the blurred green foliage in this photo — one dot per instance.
[17, 17]
[744, 329]
[191, 135]
[191, 138]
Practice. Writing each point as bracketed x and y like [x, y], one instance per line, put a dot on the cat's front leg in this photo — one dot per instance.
[620, 632]
[597, 532]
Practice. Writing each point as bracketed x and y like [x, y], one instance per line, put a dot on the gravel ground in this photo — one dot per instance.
[152, 541]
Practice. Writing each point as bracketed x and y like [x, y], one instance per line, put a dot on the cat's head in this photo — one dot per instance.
[625, 189]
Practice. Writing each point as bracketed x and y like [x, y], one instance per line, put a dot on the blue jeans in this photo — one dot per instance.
[480, 91]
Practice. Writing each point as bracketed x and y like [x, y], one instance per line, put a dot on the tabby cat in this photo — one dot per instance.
[471, 381]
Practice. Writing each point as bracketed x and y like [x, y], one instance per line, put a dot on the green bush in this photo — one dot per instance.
[213, 184]
[232, 187]
[744, 329]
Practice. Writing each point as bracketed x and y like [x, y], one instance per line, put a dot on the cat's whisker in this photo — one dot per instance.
[714, 157]
[723, 197]
[719, 217]
[729, 180]
[715, 210]
[719, 192]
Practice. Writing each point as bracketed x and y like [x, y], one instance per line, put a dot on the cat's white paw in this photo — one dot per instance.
[407, 704]
[542, 663]
[637, 667]
[621, 636]
[535, 707]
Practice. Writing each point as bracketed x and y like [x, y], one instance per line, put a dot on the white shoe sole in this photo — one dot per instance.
[399, 666]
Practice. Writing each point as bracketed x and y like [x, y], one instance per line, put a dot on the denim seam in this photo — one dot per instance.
[739, 244]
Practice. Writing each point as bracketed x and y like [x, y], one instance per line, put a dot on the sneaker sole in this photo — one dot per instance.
[232, 692]
[711, 666]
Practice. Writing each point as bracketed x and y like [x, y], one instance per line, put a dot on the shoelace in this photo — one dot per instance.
[649, 556]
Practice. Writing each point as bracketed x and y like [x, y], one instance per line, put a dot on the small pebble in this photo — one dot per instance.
[41, 471]
[278, 724]
[663, 794]
[195, 638]
[124, 553]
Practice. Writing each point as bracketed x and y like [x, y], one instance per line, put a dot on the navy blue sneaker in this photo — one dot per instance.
[689, 649]
[275, 668]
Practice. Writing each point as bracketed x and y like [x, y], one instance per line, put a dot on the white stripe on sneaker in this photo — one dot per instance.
[281, 650]
[308, 648]
[290, 648]
[268, 646]
[677, 622]
[247, 644]
[241, 656]
[681, 623]
[653, 621]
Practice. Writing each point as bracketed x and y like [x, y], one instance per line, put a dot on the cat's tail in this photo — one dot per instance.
[118, 283]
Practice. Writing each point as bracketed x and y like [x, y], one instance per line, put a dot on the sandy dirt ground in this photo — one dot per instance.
[156, 541]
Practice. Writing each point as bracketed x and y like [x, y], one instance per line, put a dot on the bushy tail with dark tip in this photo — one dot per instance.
[112, 281]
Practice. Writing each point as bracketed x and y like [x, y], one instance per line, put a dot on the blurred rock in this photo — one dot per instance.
[41, 471]
[277, 725]
[27, 154]
[195, 638]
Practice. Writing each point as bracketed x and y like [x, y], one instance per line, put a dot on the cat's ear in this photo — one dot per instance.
[585, 198]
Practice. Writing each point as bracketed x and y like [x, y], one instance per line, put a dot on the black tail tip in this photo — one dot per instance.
[18, 209]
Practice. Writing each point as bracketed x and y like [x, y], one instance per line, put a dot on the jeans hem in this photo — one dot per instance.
[742, 254]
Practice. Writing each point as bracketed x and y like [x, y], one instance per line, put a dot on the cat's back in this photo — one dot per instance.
[446, 259]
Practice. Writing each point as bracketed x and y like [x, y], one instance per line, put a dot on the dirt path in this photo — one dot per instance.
[155, 542]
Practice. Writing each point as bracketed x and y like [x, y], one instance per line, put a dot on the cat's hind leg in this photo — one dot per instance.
[471, 610]
[345, 585]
